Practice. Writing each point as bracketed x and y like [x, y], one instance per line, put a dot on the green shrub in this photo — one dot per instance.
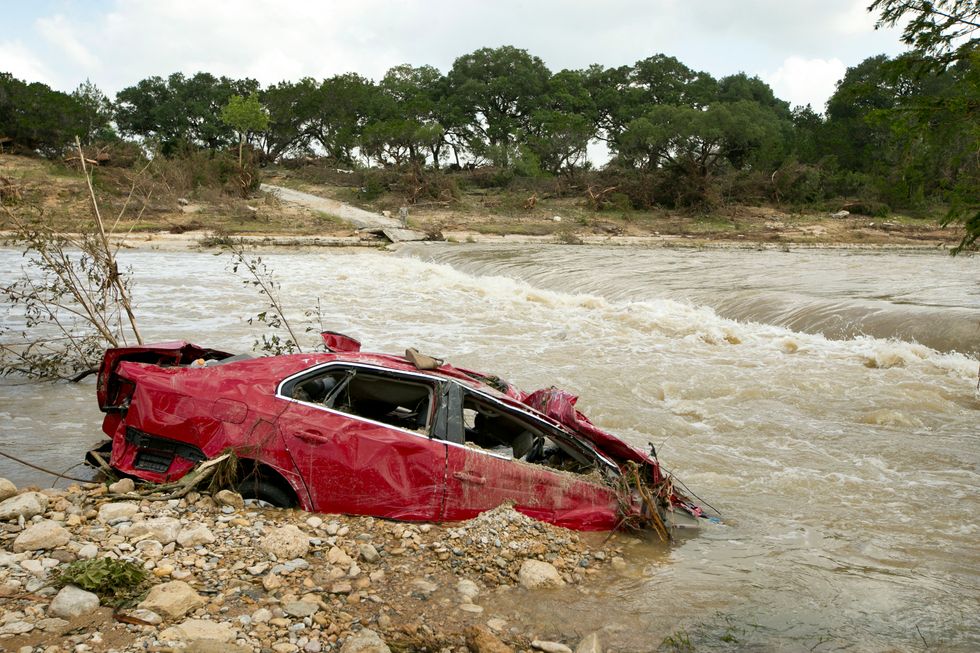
[115, 581]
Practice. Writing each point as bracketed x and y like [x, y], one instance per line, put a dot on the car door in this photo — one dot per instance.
[481, 476]
[355, 452]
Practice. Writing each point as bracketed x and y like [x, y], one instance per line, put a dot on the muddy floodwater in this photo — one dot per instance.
[824, 401]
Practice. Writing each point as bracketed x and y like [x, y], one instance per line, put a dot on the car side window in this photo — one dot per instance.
[383, 398]
[319, 388]
[498, 430]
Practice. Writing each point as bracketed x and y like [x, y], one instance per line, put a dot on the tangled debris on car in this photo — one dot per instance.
[401, 437]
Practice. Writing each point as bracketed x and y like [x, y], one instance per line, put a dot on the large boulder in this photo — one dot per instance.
[538, 573]
[162, 529]
[7, 489]
[195, 534]
[366, 641]
[24, 505]
[73, 602]
[173, 599]
[199, 629]
[286, 543]
[42, 535]
[480, 640]
[110, 512]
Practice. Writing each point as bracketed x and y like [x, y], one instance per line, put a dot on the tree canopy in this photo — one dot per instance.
[901, 131]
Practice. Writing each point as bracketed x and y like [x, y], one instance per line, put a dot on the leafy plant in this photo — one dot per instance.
[74, 297]
[260, 277]
[115, 581]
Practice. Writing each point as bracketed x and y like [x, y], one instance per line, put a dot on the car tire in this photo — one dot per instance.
[263, 493]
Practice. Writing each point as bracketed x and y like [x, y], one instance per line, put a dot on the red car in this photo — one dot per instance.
[344, 431]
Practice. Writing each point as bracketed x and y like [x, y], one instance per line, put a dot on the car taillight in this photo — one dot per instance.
[119, 402]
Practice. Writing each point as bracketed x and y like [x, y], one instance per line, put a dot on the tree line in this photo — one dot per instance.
[898, 133]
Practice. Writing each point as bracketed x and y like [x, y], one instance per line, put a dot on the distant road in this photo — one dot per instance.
[357, 217]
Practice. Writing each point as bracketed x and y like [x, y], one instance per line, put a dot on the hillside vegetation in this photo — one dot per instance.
[500, 133]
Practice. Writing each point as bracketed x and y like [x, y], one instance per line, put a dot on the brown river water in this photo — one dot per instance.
[824, 401]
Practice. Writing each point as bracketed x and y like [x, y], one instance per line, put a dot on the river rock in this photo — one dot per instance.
[73, 602]
[198, 629]
[550, 647]
[229, 498]
[481, 640]
[366, 641]
[52, 625]
[43, 535]
[173, 599]
[162, 529]
[7, 489]
[88, 551]
[23, 505]
[286, 543]
[589, 644]
[467, 588]
[110, 512]
[537, 573]
[369, 553]
[149, 616]
[300, 609]
[16, 628]
[123, 486]
[194, 535]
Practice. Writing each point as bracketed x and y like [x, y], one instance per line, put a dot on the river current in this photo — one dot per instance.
[824, 401]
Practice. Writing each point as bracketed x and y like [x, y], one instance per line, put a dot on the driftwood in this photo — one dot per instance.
[9, 190]
[167, 491]
[596, 200]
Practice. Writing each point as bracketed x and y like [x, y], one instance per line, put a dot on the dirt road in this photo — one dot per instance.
[357, 217]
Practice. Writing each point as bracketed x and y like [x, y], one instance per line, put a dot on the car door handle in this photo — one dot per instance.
[470, 477]
[313, 437]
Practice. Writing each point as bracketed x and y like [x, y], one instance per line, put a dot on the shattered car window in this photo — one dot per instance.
[493, 428]
[376, 396]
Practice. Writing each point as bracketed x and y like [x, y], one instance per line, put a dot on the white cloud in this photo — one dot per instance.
[60, 33]
[802, 81]
[273, 40]
[20, 62]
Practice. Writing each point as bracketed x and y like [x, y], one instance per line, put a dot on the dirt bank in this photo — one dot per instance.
[330, 214]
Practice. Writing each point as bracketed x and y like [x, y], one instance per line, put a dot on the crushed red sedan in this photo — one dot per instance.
[400, 437]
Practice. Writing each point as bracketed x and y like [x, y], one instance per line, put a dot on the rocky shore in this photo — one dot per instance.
[225, 576]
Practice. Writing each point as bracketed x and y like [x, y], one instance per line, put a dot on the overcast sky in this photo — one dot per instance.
[800, 47]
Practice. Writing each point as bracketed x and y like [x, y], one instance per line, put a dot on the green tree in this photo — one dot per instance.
[180, 110]
[345, 104]
[559, 134]
[37, 118]
[946, 118]
[291, 107]
[498, 90]
[692, 144]
[940, 29]
[246, 116]
[659, 80]
[96, 113]
[405, 126]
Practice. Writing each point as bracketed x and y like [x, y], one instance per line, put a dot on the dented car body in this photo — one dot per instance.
[346, 431]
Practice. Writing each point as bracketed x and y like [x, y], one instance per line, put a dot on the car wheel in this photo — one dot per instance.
[264, 494]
